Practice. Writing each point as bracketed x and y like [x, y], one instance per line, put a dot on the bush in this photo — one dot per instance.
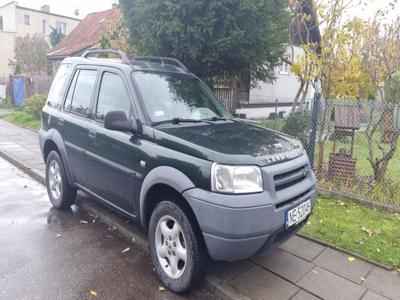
[298, 125]
[34, 105]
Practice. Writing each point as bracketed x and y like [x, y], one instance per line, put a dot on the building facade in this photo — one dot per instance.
[16, 21]
[286, 85]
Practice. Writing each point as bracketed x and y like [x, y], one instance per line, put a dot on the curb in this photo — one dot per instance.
[133, 234]
[35, 174]
[366, 202]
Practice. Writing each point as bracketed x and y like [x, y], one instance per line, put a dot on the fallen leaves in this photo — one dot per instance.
[367, 230]
[161, 289]
[93, 293]
[362, 279]
[83, 222]
[351, 259]
[125, 250]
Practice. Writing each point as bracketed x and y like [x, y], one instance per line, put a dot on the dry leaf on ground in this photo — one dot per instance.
[126, 250]
[367, 230]
[351, 259]
[93, 293]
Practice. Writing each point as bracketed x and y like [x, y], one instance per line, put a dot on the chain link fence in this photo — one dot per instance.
[354, 146]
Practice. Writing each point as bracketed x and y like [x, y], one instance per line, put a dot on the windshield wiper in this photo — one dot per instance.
[181, 120]
[215, 119]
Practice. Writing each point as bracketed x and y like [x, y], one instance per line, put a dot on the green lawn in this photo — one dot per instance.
[21, 118]
[369, 232]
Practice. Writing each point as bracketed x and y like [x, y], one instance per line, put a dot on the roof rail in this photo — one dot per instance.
[162, 60]
[122, 54]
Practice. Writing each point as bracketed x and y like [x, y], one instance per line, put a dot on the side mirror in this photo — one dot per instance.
[118, 121]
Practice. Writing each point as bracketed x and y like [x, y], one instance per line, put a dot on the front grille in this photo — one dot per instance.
[281, 204]
[287, 179]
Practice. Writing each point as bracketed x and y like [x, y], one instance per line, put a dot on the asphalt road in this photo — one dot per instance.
[51, 254]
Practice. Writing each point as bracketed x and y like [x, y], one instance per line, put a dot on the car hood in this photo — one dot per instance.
[236, 142]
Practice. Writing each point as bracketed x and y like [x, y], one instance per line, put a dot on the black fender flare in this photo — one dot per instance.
[55, 137]
[162, 175]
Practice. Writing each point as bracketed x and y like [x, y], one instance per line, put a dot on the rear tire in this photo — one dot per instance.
[61, 194]
[176, 246]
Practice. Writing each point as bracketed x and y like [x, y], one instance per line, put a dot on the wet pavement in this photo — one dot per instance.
[51, 254]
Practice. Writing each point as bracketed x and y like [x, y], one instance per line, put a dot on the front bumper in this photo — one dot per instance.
[233, 233]
[236, 227]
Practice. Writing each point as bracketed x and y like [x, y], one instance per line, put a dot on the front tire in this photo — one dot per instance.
[176, 247]
[61, 194]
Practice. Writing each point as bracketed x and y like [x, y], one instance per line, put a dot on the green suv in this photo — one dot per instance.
[150, 140]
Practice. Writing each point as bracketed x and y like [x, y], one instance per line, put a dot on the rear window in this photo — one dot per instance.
[57, 89]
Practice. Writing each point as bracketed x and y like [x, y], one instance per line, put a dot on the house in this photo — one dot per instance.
[277, 97]
[87, 35]
[16, 21]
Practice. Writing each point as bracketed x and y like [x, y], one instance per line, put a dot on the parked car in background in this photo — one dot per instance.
[150, 140]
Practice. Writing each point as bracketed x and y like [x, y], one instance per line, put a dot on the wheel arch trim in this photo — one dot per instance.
[165, 175]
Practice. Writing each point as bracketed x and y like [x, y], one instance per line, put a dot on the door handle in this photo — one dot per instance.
[92, 133]
[61, 121]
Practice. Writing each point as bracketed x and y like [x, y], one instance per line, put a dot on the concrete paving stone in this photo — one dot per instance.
[303, 295]
[384, 282]
[302, 248]
[373, 296]
[330, 286]
[226, 271]
[258, 283]
[336, 262]
[284, 264]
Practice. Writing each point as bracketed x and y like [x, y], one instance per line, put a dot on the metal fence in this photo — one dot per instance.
[354, 146]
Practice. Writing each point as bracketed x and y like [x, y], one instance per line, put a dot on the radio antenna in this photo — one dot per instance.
[155, 48]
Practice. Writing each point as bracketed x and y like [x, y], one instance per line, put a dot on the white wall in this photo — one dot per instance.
[36, 18]
[13, 25]
[284, 88]
[8, 14]
[6, 52]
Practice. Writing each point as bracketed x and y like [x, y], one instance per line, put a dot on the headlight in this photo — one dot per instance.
[236, 179]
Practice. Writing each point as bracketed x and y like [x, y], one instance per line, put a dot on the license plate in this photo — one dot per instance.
[298, 214]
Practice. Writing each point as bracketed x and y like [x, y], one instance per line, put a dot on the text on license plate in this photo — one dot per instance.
[298, 214]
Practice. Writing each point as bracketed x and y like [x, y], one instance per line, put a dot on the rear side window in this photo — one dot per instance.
[112, 96]
[57, 89]
[81, 91]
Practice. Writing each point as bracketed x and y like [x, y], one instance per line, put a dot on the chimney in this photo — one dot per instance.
[45, 8]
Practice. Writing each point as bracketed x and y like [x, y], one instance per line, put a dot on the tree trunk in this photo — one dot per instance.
[298, 94]
[305, 92]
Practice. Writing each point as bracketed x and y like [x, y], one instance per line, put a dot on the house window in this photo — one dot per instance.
[1, 23]
[26, 20]
[61, 27]
[284, 69]
[44, 26]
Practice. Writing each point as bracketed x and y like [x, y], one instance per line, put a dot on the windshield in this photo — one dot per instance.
[168, 97]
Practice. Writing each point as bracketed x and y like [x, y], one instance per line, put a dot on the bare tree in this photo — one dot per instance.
[31, 54]
[381, 56]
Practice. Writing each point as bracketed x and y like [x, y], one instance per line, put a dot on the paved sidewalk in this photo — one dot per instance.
[299, 269]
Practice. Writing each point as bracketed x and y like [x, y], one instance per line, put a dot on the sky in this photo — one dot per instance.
[67, 7]
[368, 8]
